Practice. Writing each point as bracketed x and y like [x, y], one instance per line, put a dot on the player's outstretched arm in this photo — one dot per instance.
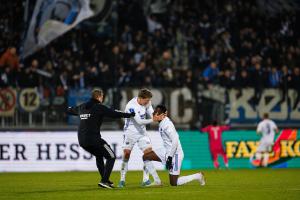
[108, 112]
[72, 110]
[204, 130]
[140, 121]
[225, 127]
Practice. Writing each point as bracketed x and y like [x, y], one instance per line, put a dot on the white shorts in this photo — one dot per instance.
[143, 142]
[176, 160]
[265, 146]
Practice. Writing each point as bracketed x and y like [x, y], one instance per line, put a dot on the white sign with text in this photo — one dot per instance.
[60, 151]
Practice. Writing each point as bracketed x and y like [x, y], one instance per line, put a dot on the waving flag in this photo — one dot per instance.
[52, 18]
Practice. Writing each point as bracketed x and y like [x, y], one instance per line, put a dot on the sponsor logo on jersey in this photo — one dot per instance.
[84, 116]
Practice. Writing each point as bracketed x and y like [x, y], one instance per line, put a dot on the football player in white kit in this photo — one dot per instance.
[267, 128]
[135, 133]
[171, 154]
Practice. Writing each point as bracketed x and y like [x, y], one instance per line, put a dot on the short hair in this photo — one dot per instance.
[160, 109]
[145, 93]
[215, 122]
[266, 115]
[97, 93]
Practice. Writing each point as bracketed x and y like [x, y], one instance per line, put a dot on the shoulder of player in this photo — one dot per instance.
[167, 124]
[261, 123]
[132, 103]
[99, 107]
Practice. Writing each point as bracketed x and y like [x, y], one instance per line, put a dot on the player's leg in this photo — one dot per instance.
[98, 151]
[265, 159]
[148, 156]
[266, 154]
[128, 144]
[145, 145]
[100, 165]
[124, 165]
[186, 179]
[93, 149]
[214, 156]
[225, 159]
[110, 157]
[262, 147]
[174, 173]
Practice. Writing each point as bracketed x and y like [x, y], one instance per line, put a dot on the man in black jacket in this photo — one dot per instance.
[91, 115]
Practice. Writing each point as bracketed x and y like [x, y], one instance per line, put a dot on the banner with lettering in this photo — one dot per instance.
[240, 146]
[60, 151]
[244, 111]
[179, 101]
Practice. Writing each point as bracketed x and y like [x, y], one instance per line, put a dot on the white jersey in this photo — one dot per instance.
[137, 124]
[170, 137]
[267, 127]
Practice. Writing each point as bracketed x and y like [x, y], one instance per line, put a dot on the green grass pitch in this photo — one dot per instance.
[221, 184]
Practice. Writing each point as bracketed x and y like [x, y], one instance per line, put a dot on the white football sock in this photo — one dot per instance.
[151, 169]
[186, 179]
[145, 174]
[258, 155]
[266, 159]
[124, 169]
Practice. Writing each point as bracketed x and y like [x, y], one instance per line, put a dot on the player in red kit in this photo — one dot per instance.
[215, 142]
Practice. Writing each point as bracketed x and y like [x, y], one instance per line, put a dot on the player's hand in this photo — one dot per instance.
[132, 114]
[169, 165]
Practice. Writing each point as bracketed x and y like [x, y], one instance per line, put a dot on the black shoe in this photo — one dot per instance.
[105, 185]
[111, 184]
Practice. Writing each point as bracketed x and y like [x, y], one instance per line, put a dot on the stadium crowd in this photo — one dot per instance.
[234, 44]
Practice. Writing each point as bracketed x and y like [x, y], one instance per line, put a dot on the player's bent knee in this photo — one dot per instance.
[127, 153]
[146, 157]
[148, 150]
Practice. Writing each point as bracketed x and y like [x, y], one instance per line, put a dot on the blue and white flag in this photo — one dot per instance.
[52, 18]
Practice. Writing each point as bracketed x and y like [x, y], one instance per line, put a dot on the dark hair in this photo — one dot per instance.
[160, 109]
[145, 93]
[266, 115]
[97, 93]
[214, 122]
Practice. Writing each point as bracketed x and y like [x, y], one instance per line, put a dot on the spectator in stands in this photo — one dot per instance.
[257, 80]
[285, 82]
[7, 78]
[295, 83]
[29, 77]
[274, 78]
[211, 73]
[227, 79]
[187, 36]
[10, 59]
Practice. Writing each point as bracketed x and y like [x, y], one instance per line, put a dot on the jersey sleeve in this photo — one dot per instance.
[108, 112]
[275, 128]
[140, 121]
[205, 129]
[259, 128]
[171, 131]
[73, 110]
[137, 117]
[225, 128]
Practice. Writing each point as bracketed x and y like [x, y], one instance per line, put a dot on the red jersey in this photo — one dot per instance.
[214, 135]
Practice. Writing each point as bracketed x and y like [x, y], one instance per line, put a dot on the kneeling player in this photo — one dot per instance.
[171, 155]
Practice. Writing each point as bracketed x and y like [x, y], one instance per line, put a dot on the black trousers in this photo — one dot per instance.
[100, 149]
